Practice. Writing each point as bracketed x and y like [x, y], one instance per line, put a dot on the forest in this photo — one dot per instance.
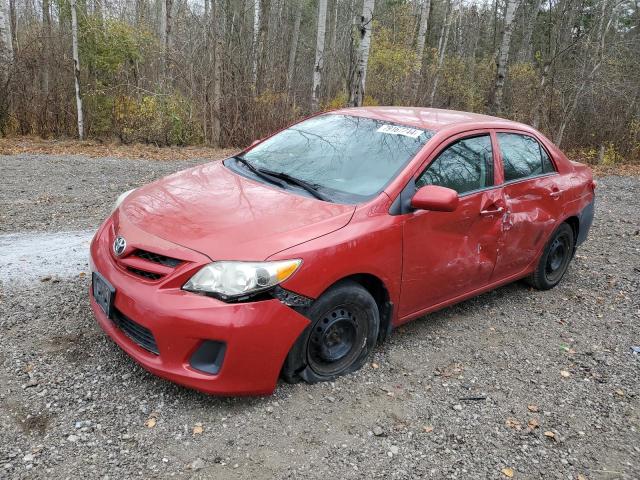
[225, 72]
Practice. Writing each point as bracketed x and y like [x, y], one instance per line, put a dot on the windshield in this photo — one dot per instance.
[348, 158]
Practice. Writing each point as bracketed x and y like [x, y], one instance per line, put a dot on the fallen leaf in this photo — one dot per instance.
[581, 477]
[565, 374]
[375, 365]
[550, 434]
[428, 429]
[533, 424]
[620, 392]
[198, 429]
[507, 472]
[150, 422]
[533, 408]
[513, 423]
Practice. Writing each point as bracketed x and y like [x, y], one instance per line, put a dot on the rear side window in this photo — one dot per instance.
[522, 156]
[463, 166]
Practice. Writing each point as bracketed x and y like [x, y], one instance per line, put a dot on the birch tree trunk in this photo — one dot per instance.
[14, 27]
[76, 67]
[359, 76]
[294, 48]
[425, 10]
[495, 102]
[442, 49]
[6, 42]
[256, 49]
[319, 63]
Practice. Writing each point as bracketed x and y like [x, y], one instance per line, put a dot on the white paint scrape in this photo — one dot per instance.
[29, 256]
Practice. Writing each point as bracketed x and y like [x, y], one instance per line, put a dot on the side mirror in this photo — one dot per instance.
[435, 198]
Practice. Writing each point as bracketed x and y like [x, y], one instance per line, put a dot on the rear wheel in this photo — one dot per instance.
[555, 259]
[341, 336]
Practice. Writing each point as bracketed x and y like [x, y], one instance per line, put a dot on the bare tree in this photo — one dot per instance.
[6, 42]
[46, 33]
[294, 46]
[224, 72]
[425, 10]
[530, 21]
[442, 48]
[76, 67]
[167, 40]
[363, 35]
[256, 39]
[318, 65]
[495, 102]
[215, 31]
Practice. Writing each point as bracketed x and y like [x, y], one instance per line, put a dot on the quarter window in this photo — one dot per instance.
[464, 166]
[522, 156]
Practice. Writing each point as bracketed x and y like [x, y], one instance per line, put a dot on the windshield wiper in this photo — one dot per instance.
[259, 172]
[309, 187]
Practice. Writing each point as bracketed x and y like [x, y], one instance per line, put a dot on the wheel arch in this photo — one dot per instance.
[574, 223]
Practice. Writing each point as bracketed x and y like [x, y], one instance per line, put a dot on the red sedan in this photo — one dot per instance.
[297, 255]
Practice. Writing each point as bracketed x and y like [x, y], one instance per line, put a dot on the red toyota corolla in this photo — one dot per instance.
[294, 257]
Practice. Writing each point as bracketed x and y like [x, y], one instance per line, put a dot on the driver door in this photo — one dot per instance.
[449, 254]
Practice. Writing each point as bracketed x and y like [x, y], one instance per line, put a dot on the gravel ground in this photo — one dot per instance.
[514, 382]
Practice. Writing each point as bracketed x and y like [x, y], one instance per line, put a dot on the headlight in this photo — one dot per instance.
[237, 279]
[121, 198]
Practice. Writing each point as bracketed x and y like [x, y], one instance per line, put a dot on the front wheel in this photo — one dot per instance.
[555, 259]
[341, 336]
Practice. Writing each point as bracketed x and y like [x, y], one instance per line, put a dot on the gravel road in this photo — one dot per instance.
[514, 383]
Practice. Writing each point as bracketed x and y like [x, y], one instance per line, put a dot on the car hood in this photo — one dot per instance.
[217, 212]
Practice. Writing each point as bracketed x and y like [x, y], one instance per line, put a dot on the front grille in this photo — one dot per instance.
[157, 258]
[142, 273]
[136, 332]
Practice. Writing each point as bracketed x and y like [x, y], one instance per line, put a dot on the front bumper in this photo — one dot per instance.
[257, 335]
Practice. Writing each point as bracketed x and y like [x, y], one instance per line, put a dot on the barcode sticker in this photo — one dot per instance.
[397, 130]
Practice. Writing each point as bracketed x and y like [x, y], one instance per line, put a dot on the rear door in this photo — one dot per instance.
[533, 192]
[447, 254]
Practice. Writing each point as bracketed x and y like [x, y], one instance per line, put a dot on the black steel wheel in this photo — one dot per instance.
[336, 339]
[555, 259]
[341, 336]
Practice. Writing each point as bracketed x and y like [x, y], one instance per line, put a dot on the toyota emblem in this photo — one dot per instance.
[119, 246]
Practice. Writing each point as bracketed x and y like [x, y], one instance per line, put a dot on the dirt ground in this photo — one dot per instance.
[515, 382]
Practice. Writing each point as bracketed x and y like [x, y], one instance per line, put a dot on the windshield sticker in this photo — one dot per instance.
[397, 130]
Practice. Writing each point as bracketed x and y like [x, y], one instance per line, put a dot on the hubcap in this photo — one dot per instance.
[335, 341]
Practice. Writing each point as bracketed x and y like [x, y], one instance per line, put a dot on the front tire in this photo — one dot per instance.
[554, 260]
[341, 336]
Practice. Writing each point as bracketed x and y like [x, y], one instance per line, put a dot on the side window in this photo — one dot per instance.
[547, 164]
[522, 156]
[463, 166]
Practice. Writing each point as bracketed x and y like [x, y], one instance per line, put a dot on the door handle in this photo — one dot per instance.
[487, 213]
[555, 194]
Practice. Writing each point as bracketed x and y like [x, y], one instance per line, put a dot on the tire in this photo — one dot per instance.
[554, 260]
[340, 338]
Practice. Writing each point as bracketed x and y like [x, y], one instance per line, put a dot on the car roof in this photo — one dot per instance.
[430, 118]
